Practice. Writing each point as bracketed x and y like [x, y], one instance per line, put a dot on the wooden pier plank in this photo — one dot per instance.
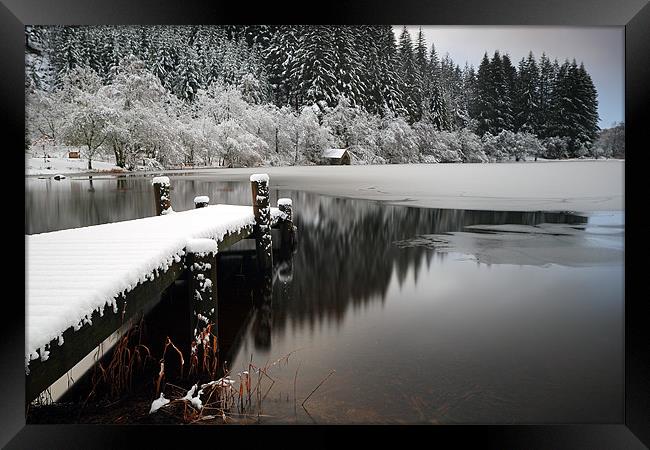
[94, 248]
[78, 344]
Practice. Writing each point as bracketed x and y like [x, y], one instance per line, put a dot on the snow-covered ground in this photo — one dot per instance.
[59, 163]
[530, 159]
[580, 186]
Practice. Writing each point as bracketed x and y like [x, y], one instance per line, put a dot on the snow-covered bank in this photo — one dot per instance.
[64, 165]
[581, 186]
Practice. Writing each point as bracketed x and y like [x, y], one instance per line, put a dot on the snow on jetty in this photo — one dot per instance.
[72, 273]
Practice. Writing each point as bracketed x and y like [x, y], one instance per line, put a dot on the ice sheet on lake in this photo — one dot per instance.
[562, 244]
[551, 186]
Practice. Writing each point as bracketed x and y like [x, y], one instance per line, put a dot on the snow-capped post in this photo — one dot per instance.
[287, 229]
[201, 201]
[161, 188]
[262, 229]
[201, 261]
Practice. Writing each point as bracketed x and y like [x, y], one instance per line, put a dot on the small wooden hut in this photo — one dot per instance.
[336, 156]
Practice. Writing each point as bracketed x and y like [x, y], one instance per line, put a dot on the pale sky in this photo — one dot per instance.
[602, 49]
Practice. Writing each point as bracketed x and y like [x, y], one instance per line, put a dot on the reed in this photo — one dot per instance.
[232, 398]
[130, 356]
[228, 399]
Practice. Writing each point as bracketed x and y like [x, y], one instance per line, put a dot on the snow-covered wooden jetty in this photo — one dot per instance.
[83, 284]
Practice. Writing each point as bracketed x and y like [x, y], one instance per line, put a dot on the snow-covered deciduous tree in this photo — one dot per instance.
[136, 97]
[85, 111]
[221, 102]
[525, 144]
[189, 137]
[46, 115]
[264, 122]
[556, 147]
[507, 145]
[79, 80]
[425, 140]
[497, 147]
[133, 84]
[396, 140]
[313, 137]
[471, 147]
[446, 147]
[119, 135]
[87, 124]
[238, 147]
[354, 129]
[610, 143]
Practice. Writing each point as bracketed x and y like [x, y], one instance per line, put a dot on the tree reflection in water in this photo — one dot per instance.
[347, 261]
[345, 256]
[344, 259]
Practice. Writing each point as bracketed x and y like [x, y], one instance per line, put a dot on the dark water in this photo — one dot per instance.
[417, 327]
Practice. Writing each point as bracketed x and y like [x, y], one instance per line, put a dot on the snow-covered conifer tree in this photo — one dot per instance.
[409, 75]
[526, 98]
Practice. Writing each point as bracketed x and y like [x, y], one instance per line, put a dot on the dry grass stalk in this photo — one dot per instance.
[205, 343]
[316, 388]
[224, 399]
[126, 359]
[217, 400]
[295, 378]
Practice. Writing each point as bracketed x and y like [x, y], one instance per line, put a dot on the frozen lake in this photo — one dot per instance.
[428, 315]
[574, 185]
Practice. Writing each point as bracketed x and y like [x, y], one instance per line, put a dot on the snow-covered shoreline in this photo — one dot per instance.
[39, 166]
[581, 186]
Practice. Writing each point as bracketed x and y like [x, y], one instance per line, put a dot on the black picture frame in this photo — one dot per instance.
[634, 15]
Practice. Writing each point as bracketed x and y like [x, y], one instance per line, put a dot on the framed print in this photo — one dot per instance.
[384, 219]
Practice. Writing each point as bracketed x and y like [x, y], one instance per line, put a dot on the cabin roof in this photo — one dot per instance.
[334, 152]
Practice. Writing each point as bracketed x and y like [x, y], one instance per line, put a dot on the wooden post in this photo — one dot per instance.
[161, 188]
[287, 229]
[263, 322]
[262, 228]
[201, 201]
[202, 267]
